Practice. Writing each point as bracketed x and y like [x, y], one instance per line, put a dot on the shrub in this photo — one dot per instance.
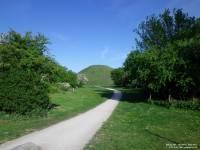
[53, 88]
[25, 70]
[188, 105]
[22, 64]
[64, 86]
[82, 80]
[23, 92]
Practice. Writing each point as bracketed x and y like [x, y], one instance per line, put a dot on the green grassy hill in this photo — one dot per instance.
[98, 75]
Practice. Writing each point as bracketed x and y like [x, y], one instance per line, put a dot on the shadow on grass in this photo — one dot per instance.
[52, 106]
[128, 94]
[104, 92]
[161, 137]
[133, 95]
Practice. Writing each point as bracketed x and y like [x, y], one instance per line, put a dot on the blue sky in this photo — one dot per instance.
[86, 32]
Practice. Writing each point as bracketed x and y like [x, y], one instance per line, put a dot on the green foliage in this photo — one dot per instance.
[119, 77]
[167, 62]
[82, 80]
[98, 75]
[25, 71]
[116, 75]
[62, 74]
[188, 105]
[165, 28]
[71, 78]
[23, 92]
[64, 86]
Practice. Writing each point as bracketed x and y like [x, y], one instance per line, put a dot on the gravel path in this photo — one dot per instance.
[71, 134]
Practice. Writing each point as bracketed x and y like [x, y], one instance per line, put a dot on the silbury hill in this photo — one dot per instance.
[98, 75]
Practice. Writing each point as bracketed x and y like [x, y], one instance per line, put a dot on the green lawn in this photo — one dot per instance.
[69, 104]
[142, 126]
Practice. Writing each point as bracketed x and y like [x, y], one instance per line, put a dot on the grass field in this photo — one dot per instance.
[69, 104]
[98, 75]
[138, 125]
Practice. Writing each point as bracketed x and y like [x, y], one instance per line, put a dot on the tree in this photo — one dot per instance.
[167, 60]
[157, 31]
[117, 76]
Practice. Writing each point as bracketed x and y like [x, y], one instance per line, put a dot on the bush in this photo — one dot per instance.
[64, 86]
[23, 92]
[25, 68]
[22, 64]
[82, 80]
[188, 105]
[53, 88]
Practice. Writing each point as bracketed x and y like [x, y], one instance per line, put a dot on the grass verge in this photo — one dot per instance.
[141, 126]
[68, 104]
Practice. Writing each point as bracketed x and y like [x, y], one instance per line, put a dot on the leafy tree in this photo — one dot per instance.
[117, 76]
[157, 31]
[167, 60]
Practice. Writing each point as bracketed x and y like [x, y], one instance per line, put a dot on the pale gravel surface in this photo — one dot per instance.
[73, 133]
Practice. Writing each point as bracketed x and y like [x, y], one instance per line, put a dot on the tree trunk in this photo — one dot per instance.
[169, 98]
[150, 97]
[169, 95]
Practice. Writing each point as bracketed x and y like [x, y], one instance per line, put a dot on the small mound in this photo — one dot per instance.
[98, 75]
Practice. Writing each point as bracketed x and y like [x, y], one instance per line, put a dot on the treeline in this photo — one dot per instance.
[26, 71]
[167, 60]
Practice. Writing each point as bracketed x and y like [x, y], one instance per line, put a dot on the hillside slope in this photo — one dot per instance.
[98, 75]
